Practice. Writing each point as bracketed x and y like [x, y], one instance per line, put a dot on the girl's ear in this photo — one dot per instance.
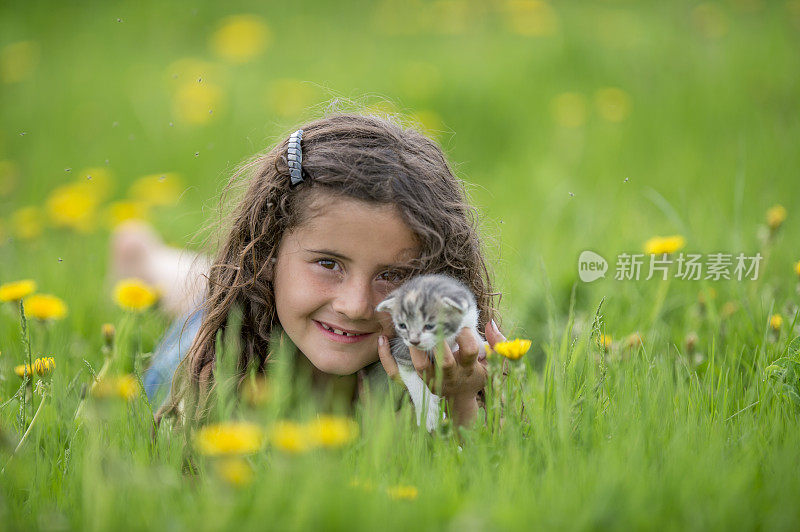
[271, 269]
[386, 305]
[460, 306]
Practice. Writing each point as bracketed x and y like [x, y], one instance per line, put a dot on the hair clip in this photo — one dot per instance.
[295, 157]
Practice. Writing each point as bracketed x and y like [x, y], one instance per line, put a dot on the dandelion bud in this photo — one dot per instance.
[44, 366]
[633, 341]
[691, 342]
[109, 331]
[775, 322]
[728, 309]
[775, 217]
[23, 370]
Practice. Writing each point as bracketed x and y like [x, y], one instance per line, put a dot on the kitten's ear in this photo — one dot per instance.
[455, 304]
[386, 305]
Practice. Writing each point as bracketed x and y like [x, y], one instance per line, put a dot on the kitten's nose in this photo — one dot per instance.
[415, 342]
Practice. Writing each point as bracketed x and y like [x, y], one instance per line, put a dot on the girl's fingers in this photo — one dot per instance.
[448, 359]
[422, 363]
[467, 347]
[387, 360]
[420, 359]
[493, 334]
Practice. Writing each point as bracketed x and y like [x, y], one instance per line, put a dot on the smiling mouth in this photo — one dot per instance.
[342, 332]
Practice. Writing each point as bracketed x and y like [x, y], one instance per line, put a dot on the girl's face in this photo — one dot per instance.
[331, 273]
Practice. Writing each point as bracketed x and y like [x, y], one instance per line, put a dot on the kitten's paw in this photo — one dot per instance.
[433, 414]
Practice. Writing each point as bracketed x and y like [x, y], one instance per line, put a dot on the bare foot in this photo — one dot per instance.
[138, 251]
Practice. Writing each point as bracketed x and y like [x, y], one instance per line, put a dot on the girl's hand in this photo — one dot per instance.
[464, 371]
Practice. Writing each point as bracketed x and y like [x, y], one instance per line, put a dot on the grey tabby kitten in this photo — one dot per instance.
[425, 310]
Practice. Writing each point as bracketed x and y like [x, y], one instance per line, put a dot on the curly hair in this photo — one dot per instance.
[368, 158]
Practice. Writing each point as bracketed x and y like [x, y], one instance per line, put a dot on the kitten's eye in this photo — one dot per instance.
[402, 326]
[429, 327]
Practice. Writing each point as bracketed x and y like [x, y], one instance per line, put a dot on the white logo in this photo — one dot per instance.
[591, 266]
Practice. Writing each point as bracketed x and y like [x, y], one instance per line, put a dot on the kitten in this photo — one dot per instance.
[425, 310]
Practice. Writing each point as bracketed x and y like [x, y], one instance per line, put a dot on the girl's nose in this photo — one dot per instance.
[354, 300]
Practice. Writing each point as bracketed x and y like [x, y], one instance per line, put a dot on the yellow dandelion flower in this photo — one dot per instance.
[235, 471]
[776, 215]
[289, 97]
[290, 437]
[797, 268]
[22, 370]
[121, 211]
[613, 104]
[73, 205]
[16, 290]
[125, 387]
[197, 103]
[27, 223]
[18, 60]
[44, 366]
[532, 18]
[513, 349]
[157, 189]
[332, 431]
[775, 322]
[659, 245]
[402, 492]
[605, 341]
[241, 38]
[45, 307]
[229, 438]
[569, 109]
[134, 294]
[9, 175]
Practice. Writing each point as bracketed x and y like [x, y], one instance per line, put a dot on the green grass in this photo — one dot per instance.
[651, 438]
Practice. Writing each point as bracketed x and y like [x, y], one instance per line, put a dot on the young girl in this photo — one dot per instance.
[332, 220]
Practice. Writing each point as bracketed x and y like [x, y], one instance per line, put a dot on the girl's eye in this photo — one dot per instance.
[402, 326]
[392, 276]
[327, 264]
[428, 327]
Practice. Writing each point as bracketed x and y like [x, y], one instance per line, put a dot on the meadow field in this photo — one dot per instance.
[663, 400]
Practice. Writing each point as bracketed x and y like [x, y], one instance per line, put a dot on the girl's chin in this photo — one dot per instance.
[335, 364]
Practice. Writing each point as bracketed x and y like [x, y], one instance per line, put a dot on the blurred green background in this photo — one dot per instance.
[578, 125]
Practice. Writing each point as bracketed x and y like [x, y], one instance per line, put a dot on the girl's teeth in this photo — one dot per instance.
[337, 331]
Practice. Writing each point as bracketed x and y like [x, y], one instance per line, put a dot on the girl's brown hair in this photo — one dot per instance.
[367, 158]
